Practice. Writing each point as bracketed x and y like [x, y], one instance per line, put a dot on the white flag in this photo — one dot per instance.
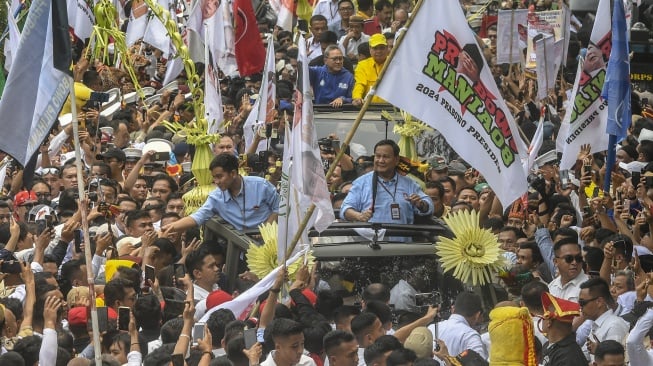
[174, 67]
[587, 113]
[11, 44]
[214, 25]
[534, 148]
[549, 57]
[443, 80]
[242, 304]
[511, 35]
[81, 17]
[268, 93]
[156, 33]
[212, 99]
[137, 24]
[307, 181]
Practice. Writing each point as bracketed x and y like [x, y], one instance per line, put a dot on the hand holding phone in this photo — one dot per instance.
[123, 318]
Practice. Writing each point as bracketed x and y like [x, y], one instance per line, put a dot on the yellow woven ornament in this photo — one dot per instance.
[474, 252]
[261, 260]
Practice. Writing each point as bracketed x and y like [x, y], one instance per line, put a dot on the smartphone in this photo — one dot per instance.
[149, 274]
[435, 336]
[123, 318]
[335, 144]
[595, 193]
[564, 178]
[180, 270]
[103, 318]
[250, 337]
[587, 169]
[177, 359]
[99, 97]
[11, 266]
[198, 332]
[161, 156]
[79, 238]
[619, 196]
[49, 222]
[635, 178]
[40, 226]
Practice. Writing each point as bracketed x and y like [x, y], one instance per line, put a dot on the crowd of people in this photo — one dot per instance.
[576, 289]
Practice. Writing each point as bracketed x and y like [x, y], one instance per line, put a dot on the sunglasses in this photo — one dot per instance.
[584, 302]
[53, 171]
[570, 258]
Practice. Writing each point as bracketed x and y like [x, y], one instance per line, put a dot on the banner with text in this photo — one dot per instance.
[443, 80]
[543, 24]
[511, 35]
[587, 113]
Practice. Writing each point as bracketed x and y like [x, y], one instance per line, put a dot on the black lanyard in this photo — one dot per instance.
[393, 195]
[242, 209]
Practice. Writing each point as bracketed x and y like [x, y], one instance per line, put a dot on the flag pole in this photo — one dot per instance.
[354, 127]
[87, 245]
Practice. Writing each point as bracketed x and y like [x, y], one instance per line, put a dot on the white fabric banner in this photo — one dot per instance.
[511, 35]
[534, 148]
[443, 80]
[268, 92]
[307, 183]
[137, 24]
[11, 44]
[81, 17]
[156, 33]
[549, 57]
[242, 304]
[587, 113]
[217, 24]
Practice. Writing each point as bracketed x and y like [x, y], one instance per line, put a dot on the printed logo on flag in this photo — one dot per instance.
[457, 69]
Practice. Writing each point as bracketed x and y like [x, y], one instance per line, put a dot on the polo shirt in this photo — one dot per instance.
[365, 75]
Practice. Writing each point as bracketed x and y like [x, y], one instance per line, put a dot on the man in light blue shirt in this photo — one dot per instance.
[244, 202]
[398, 198]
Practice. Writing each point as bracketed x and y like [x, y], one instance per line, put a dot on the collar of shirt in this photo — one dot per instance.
[582, 277]
[602, 319]
[227, 194]
[391, 181]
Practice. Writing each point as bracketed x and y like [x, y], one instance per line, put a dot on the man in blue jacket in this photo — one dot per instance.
[331, 83]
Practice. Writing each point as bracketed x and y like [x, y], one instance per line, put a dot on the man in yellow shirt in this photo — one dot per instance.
[368, 70]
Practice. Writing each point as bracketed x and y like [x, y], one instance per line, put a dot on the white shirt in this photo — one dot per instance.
[361, 357]
[314, 49]
[626, 302]
[200, 294]
[458, 336]
[610, 327]
[328, 8]
[570, 290]
[303, 361]
[637, 353]
[352, 45]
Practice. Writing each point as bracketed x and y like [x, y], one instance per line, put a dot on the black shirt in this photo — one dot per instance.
[564, 353]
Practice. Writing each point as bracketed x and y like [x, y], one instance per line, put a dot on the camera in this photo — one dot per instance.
[426, 299]
[537, 182]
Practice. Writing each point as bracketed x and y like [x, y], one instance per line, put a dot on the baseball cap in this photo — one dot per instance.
[25, 197]
[216, 298]
[112, 153]
[378, 39]
[437, 163]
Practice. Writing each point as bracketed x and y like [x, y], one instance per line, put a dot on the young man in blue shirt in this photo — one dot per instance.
[244, 202]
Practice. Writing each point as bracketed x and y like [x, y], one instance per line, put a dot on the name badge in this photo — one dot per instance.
[395, 211]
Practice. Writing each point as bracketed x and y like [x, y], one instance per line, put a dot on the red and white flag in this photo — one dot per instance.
[285, 10]
[214, 26]
[443, 80]
[250, 53]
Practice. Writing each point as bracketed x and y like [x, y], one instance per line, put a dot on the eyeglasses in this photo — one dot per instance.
[583, 302]
[346, 8]
[337, 58]
[570, 258]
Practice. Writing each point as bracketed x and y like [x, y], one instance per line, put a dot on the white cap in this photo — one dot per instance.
[645, 135]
